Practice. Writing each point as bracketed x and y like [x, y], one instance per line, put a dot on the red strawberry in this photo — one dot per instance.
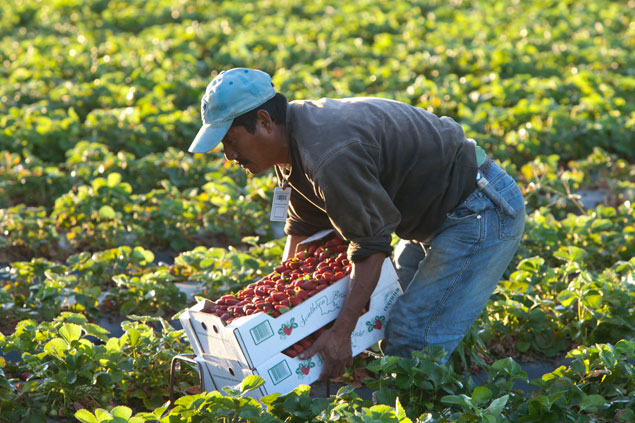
[308, 285]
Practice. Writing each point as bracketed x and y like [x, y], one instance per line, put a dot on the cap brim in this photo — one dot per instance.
[209, 136]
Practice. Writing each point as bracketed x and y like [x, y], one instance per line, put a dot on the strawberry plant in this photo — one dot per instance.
[95, 213]
[65, 370]
[596, 386]
[224, 270]
[31, 290]
[98, 269]
[27, 232]
[546, 309]
[598, 232]
[27, 180]
[148, 294]
[419, 382]
[171, 219]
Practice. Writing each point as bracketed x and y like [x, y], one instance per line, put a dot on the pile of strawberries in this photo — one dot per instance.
[310, 271]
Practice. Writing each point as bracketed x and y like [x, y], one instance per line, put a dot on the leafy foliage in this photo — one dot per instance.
[68, 364]
[99, 100]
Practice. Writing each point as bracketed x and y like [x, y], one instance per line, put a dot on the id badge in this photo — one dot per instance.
[280, 204]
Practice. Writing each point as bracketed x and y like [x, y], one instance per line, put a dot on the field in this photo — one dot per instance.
[103, 212]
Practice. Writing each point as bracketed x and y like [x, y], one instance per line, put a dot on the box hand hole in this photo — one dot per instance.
[231, 371]
[204, 326]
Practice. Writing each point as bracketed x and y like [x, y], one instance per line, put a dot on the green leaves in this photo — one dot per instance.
[496, 407]
[481, 395]
[70, 332]
[56, 347]
[592, 403]
[471, 406]
[251, 383]
[570, 254]
[248, 384]
[107, 212]
[85, 416]
[118, 414]
[99, 104]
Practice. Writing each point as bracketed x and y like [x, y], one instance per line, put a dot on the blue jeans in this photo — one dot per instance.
[451, 275]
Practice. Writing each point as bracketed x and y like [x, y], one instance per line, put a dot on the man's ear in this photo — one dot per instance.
[265, 120]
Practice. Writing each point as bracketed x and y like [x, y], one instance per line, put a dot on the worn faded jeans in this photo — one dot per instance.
[448, 278]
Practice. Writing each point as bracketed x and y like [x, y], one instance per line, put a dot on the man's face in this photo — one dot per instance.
[251, 151]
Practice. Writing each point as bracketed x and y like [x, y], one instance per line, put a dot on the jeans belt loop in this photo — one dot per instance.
[484, 168]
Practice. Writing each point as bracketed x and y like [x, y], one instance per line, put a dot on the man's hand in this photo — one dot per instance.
[335, 343]
[292, 245]
[336, 351]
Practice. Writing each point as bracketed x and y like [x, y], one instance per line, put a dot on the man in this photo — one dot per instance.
[369, 167]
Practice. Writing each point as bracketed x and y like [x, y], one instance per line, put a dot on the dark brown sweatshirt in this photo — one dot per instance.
[369, 167]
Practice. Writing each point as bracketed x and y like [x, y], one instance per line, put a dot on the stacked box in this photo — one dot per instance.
[253, 344]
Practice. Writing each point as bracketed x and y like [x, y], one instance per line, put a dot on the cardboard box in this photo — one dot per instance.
[253, 339]
[253, 344]
[282, 373]
[206, 377]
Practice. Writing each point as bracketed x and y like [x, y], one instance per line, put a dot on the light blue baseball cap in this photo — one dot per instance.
[231, 94]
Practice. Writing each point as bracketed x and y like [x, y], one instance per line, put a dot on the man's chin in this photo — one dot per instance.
[254, 170]
[249, 170]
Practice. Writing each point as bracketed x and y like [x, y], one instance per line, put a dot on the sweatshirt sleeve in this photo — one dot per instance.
[356, 203]
[304, 218]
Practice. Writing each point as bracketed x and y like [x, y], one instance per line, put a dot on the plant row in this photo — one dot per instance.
[596, 387]
[180, 202]
[98, 200]
[69, 364]
[556, 78]
[569, 283]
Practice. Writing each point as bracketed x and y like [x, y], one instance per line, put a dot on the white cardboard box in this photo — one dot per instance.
[255, 338]
[253, 344]
[282, 373]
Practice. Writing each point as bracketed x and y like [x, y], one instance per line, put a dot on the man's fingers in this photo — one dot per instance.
[332, 368]
[311, 351]
[306, 354]
[336, 356]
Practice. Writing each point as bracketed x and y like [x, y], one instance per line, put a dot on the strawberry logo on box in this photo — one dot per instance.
[305, 367]
[287, 328]
[377, 323]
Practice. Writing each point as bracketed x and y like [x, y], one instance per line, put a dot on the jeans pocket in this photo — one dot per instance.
[468, 208]
[460, 212]
[511, 227]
